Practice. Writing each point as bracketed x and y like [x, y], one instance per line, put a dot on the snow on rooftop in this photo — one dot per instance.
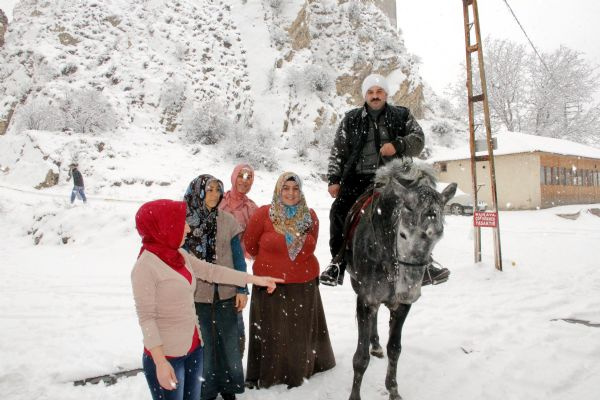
[517, 142]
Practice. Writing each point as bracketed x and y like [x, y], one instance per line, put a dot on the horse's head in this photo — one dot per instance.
[418, 208]
[419, 220]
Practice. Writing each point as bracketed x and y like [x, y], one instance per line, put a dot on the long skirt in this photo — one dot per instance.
[288, 338]
[223, 370]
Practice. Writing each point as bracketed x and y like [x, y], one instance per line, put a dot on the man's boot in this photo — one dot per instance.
[434, 275]
[333, 275]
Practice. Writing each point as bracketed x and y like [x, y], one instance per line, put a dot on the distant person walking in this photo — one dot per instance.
[78, 188]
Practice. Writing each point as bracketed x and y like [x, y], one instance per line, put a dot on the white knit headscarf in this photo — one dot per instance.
[374, 80]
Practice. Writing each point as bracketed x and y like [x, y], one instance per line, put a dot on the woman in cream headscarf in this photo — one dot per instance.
[289, 340]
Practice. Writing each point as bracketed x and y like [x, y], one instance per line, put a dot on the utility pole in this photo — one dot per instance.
[490, 219]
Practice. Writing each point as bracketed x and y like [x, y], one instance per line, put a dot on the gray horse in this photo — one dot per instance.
[390, 247]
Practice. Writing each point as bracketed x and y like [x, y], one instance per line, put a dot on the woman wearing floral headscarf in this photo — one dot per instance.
[214, 238]
[289, 340]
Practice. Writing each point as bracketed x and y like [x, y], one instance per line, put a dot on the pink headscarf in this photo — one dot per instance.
[238, 203]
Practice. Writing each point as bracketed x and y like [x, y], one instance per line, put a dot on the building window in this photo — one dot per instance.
[548, 175]
[579, 178]
[569, 177]
[542, 176]
[443, 167]
[586, 177]
[563, 179]
[555, 175]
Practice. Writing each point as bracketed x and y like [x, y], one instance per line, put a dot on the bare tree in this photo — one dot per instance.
[550, 98]
[505, 69]
[561, 93]
[88, 111]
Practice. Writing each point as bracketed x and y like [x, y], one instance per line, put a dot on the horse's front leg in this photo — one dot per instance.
[376, 349]
[365, 313]
[394, 347]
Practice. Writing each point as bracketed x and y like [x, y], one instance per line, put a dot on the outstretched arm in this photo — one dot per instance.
[219, 274]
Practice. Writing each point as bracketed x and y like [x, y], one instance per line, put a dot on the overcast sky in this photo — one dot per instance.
[433, 29]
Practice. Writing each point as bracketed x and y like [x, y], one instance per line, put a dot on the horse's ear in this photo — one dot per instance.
[396, 187]
[449, 192]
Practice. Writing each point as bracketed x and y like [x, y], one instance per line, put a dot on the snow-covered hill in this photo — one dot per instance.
[260, 81]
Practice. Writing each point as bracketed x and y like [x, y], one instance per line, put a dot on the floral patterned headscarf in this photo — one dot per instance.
[202, 239]
[293, 222]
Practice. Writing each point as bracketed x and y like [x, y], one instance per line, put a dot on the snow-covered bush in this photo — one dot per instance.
[180, 51]
[39, 114]
[172, 96]
[353, 9]
[301, 140]
[87, 111]
[312, 78]
[443, 133]
[206, 124]
[389, 43]
[275, 5]
[254, 146]
[279, 36]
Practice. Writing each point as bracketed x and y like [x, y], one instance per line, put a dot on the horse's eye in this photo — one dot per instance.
[407, 208]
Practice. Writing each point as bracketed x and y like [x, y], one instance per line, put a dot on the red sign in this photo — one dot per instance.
[485, 219]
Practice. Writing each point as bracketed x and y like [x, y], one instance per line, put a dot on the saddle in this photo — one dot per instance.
[353, 218]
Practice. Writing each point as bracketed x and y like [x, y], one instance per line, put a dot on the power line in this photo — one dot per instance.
[533, 46]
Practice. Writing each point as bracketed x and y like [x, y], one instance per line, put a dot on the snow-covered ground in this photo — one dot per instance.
[66, 310]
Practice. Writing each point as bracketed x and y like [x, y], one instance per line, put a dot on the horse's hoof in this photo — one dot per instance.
[395, 396]
[377, 351]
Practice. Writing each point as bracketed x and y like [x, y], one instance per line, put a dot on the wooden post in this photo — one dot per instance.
[471, 48]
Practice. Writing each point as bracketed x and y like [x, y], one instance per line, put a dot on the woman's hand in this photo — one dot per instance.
[241, 300]
[166, 375]
[269, 282]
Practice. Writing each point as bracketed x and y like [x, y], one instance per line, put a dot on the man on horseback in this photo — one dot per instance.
[367, 138]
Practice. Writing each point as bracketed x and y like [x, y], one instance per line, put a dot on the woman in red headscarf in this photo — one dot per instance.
[163, 281]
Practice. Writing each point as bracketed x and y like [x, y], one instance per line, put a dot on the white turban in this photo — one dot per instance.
[374, 80]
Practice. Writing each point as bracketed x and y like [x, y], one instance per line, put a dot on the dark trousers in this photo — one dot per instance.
[351, 189]
[188, 370]
[223, 370]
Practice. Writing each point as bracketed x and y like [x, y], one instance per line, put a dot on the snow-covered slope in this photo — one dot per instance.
[150, 60]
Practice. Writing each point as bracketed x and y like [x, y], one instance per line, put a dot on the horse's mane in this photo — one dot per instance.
[407, 173]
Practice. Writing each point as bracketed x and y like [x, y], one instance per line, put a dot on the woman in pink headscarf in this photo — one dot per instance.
[235, 200]
[241, 207]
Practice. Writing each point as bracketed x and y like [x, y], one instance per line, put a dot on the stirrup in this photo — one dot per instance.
[434, 275]
[331, 276]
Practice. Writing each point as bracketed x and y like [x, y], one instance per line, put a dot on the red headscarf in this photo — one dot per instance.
[161, 224]
[238, 203]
